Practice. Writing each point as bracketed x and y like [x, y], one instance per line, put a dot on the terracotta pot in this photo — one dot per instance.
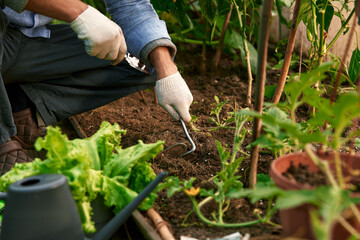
[296, 222]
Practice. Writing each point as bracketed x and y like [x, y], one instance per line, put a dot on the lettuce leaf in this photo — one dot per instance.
[93, 166]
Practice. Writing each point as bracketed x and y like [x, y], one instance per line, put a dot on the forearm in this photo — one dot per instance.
[162, 61]
[65, 10]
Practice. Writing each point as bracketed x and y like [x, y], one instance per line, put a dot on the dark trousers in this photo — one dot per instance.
[59, 77]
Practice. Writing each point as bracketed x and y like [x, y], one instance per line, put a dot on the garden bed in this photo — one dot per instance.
[145, 120]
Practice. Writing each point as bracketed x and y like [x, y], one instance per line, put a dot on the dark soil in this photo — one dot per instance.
[145, 120]
[303, 175]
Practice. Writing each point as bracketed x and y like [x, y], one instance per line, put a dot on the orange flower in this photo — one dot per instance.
[192, 192]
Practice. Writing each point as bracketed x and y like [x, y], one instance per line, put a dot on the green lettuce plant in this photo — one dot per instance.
[94, 166]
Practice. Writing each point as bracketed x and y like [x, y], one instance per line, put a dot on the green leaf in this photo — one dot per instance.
[208, 9]
[234, 39]
[295, 89]
[328, 14]
[354, 66]
[270, 90]
[259, 193]
[223, 154]
[294, 198]
[120, 164]
[116, 194]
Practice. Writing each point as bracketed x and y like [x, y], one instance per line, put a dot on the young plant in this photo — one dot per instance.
[329, 128]
[226, 181]
[221, 123]
[329, 203]
[317, 17]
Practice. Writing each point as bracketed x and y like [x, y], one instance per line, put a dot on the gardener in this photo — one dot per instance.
[61, 70]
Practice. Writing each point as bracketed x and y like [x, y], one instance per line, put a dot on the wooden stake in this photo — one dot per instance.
[260, 82]
[160, 225]
[288, 54]
[222, 37]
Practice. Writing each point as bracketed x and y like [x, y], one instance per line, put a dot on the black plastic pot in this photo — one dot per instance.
[42, 208]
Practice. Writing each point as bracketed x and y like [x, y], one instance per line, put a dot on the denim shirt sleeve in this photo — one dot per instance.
[17, 5]
[143, 30]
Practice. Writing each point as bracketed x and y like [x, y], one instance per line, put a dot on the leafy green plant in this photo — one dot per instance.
[330, 128]
[95, 166]
[317, 17]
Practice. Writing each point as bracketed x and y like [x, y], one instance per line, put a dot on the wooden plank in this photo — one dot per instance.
[148, 231]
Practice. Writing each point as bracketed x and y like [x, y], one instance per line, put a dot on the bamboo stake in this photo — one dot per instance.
[288, 54]
[260, 82]
[221, 42]
[160, 224]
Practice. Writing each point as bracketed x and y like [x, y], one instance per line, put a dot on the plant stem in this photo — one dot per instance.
[260, 83]
[221, 41]
[322, 40]
[322, 165]
[221, 212]
[197, 12]
[205, 201]
[247, 53]
[207, 221]
[288, 54]
[192, 41]
[237, 143]
[338, 34]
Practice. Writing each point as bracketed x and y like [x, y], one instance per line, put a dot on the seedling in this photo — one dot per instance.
[221, 123]
[226, 181]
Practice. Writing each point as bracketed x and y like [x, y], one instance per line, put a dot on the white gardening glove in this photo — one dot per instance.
[102, 37]
[174, 96]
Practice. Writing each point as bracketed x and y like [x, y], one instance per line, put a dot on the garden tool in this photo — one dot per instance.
[193, 147]
[42, 207]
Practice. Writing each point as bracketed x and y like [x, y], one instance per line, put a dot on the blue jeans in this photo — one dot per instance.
[59, 77]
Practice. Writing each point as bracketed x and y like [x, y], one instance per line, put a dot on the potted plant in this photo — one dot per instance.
[319, 146]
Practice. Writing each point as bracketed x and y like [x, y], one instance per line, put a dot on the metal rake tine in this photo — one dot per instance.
[176, 144]
[193, 147]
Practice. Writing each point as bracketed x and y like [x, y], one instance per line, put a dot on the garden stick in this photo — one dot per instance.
[348, 227]
[142, 97]
[197, 12]
[155, 96]
[260, 83]
[160, 224]
[288, 54]
[347, 48]
[221, 42]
